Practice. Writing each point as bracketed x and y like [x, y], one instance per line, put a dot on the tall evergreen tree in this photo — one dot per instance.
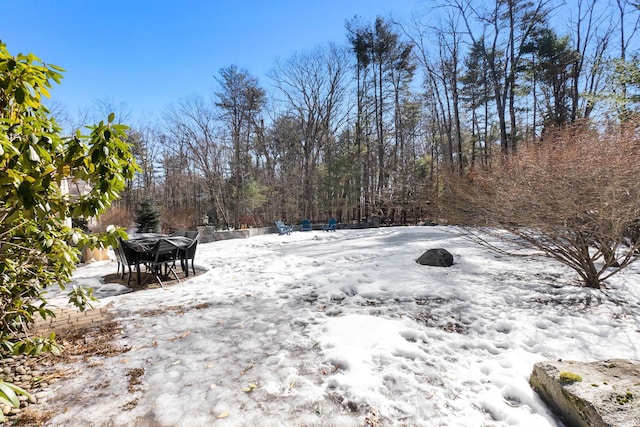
[477, 96]
[552, 68]
[506, 28]
[385, 67]
[240, 99]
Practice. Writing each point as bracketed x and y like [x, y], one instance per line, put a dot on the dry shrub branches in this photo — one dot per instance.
[575, 196]
[118, 216]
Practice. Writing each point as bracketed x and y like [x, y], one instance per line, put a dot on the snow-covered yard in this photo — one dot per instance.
[346, 329]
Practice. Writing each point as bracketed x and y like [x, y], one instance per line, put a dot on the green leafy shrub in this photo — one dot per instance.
[37, 249]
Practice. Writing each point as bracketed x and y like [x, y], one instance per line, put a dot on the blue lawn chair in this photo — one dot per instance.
[305, 225]
[283, 229]
[331, 226]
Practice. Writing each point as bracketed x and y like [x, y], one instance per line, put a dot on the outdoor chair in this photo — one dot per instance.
[189, 253]
[163, 254]
[127, 257]
[305, 225]
[283, 229]
[192, 234]
[331, 225]
[117, 250]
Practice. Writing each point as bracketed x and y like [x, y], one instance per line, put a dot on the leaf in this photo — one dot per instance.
[44, 91]
[37, 350]
[8, 394]
[55, 67]
[20, 95]
[95, 157]
[27, 197]
[33, 154]
[250, 388]
[4, 401]
[225, 414]
[111, 117]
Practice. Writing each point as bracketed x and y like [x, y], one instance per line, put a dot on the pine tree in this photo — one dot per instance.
[148, 217]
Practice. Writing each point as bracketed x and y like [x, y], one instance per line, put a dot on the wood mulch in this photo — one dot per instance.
[147, 281]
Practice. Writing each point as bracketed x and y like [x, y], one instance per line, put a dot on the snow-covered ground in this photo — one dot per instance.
[346, 329]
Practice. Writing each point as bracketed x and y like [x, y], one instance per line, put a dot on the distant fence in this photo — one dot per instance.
[209, 234]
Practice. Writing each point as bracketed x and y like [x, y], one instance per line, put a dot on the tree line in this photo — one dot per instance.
[384, 124]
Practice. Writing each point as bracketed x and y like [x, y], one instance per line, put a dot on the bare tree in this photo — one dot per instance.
[440, 59]
[193, 135]
[145, 144]
[313, 85]
[592, 31]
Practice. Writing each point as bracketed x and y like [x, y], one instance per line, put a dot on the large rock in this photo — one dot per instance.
[596, 394]
[436, 257]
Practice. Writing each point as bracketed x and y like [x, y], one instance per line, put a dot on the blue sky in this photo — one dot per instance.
[148, 54]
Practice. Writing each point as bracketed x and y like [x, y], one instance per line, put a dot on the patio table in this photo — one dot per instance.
[143, 246]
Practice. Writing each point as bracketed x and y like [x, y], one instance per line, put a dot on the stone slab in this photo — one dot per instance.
[606, 395]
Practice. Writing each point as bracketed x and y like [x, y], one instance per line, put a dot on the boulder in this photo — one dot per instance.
[597, 394]
[436, 257]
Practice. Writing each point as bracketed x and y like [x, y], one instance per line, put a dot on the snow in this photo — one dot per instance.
[346, 329]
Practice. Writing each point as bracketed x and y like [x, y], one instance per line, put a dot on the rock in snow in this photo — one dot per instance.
[436, 257]
[597, 394]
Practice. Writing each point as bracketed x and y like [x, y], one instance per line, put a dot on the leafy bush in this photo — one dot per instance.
[37, 249]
